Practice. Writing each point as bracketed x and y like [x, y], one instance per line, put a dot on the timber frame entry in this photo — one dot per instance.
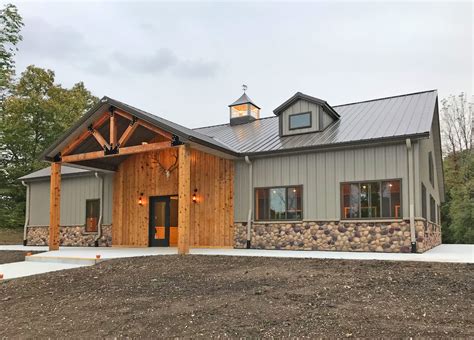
[113, 145]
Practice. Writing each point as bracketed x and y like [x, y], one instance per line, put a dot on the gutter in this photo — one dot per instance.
[27, 211]
[249, 216]
[411, 195]
[101, 208]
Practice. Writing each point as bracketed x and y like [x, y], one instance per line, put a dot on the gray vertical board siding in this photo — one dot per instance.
[74, 193]
[321, 174]
[426, 146]
[301, 106]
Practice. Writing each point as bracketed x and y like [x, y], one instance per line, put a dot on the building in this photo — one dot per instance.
[364, 176]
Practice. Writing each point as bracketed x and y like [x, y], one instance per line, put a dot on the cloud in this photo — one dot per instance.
[164, 60]
[62, 44]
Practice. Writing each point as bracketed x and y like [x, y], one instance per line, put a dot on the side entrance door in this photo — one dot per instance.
[163, 229]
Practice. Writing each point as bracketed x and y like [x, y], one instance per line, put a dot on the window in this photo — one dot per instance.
[92, 215]
[300, 121]
[432, 209]
[371, 199]
[282, 203]
[431, 168]
[423, 202]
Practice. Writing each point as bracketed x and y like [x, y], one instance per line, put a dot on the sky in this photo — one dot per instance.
[187, 61]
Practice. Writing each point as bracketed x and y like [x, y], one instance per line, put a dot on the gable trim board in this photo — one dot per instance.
[365, 141]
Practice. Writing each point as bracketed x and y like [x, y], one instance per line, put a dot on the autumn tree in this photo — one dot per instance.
[35, 113]
[458, 210]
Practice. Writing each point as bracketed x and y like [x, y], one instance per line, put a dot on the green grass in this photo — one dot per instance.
[11, 236]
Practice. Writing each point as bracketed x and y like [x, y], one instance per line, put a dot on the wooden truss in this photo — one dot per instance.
[114, 146]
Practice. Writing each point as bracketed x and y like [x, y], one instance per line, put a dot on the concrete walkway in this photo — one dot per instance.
[73, 257]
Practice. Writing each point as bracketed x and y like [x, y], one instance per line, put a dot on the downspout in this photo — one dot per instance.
[249, 216]
[101, 204]
[27, 212]
[411, 195]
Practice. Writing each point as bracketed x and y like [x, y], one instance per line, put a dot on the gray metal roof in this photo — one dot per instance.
[244, 99]
[397, 117]
[46, 173]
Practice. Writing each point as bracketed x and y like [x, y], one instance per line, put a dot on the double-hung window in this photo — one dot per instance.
[371, 199]
[279, 203]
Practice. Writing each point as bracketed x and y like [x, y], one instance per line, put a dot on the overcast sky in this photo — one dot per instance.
[187, 61]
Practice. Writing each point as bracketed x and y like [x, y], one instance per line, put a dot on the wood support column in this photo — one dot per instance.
[54, 206]
[184, 199]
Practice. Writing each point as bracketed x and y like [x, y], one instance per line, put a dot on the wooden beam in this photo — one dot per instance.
[82, 137]
[184, 199]
[113, 131]
[54, 206]
[101, 140]
[127, 133]
[121, 152]
[146, 125]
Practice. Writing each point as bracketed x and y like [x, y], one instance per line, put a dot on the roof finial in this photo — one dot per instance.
[244, 87]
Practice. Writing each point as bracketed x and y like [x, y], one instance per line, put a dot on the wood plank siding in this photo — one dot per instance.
[211, 217]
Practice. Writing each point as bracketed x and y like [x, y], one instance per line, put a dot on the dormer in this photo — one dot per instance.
[304, 114]
[243, 110]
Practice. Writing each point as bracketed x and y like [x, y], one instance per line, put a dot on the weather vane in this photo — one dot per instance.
[244, 87]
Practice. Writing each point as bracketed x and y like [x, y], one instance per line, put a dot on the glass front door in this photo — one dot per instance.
[163, 221]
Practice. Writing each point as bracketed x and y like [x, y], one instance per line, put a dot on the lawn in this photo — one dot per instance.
[211, 296]
[11, 236]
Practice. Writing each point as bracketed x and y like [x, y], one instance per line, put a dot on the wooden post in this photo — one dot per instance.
[113, 131]
[54, 206]
[184, 199]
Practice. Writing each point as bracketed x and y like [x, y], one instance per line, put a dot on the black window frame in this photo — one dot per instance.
[432, 209]
[300, 114]
[286, 187]
[379, 181]
[98, 216]
[424, 202]
[431, 168]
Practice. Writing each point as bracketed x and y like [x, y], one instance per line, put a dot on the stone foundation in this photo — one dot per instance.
[388, 237]
[69, 236]
[428, 235]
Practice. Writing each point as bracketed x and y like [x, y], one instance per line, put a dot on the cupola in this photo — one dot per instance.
[243, 110]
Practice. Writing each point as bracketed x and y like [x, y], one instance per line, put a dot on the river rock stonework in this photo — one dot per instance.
[388, 237]
[69, 236]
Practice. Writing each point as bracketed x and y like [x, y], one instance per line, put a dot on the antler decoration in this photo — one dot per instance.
[169, 170]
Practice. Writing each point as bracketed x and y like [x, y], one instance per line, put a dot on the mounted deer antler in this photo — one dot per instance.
[167, 171]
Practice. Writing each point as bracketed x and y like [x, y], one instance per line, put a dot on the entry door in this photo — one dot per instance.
[163, 221]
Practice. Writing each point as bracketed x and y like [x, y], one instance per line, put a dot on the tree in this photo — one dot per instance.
[36, 112]
[458, 210]
[10, 27]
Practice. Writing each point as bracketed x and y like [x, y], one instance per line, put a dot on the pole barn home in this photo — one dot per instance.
[364, 176]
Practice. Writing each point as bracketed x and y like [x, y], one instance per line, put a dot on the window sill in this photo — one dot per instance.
[278, 221]
[371, 220]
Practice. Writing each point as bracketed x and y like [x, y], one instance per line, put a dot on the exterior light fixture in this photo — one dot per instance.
[195, 196]
[140, 199]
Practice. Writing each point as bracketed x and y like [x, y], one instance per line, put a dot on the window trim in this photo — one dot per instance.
[310, 113]
[85, 222]
[341, 199]
[255, 217]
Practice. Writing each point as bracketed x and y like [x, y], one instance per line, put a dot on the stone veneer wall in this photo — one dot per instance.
[69, 236]
[338, 236]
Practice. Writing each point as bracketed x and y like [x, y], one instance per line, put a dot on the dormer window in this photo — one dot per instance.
[299, 121]
[243, 110]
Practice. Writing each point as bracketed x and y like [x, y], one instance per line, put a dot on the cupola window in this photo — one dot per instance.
[243, 110]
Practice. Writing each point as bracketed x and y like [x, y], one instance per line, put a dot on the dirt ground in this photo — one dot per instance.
[212, 296]
[9, 256]
[11, 236]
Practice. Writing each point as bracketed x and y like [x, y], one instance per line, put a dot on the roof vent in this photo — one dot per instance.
[243, 110]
